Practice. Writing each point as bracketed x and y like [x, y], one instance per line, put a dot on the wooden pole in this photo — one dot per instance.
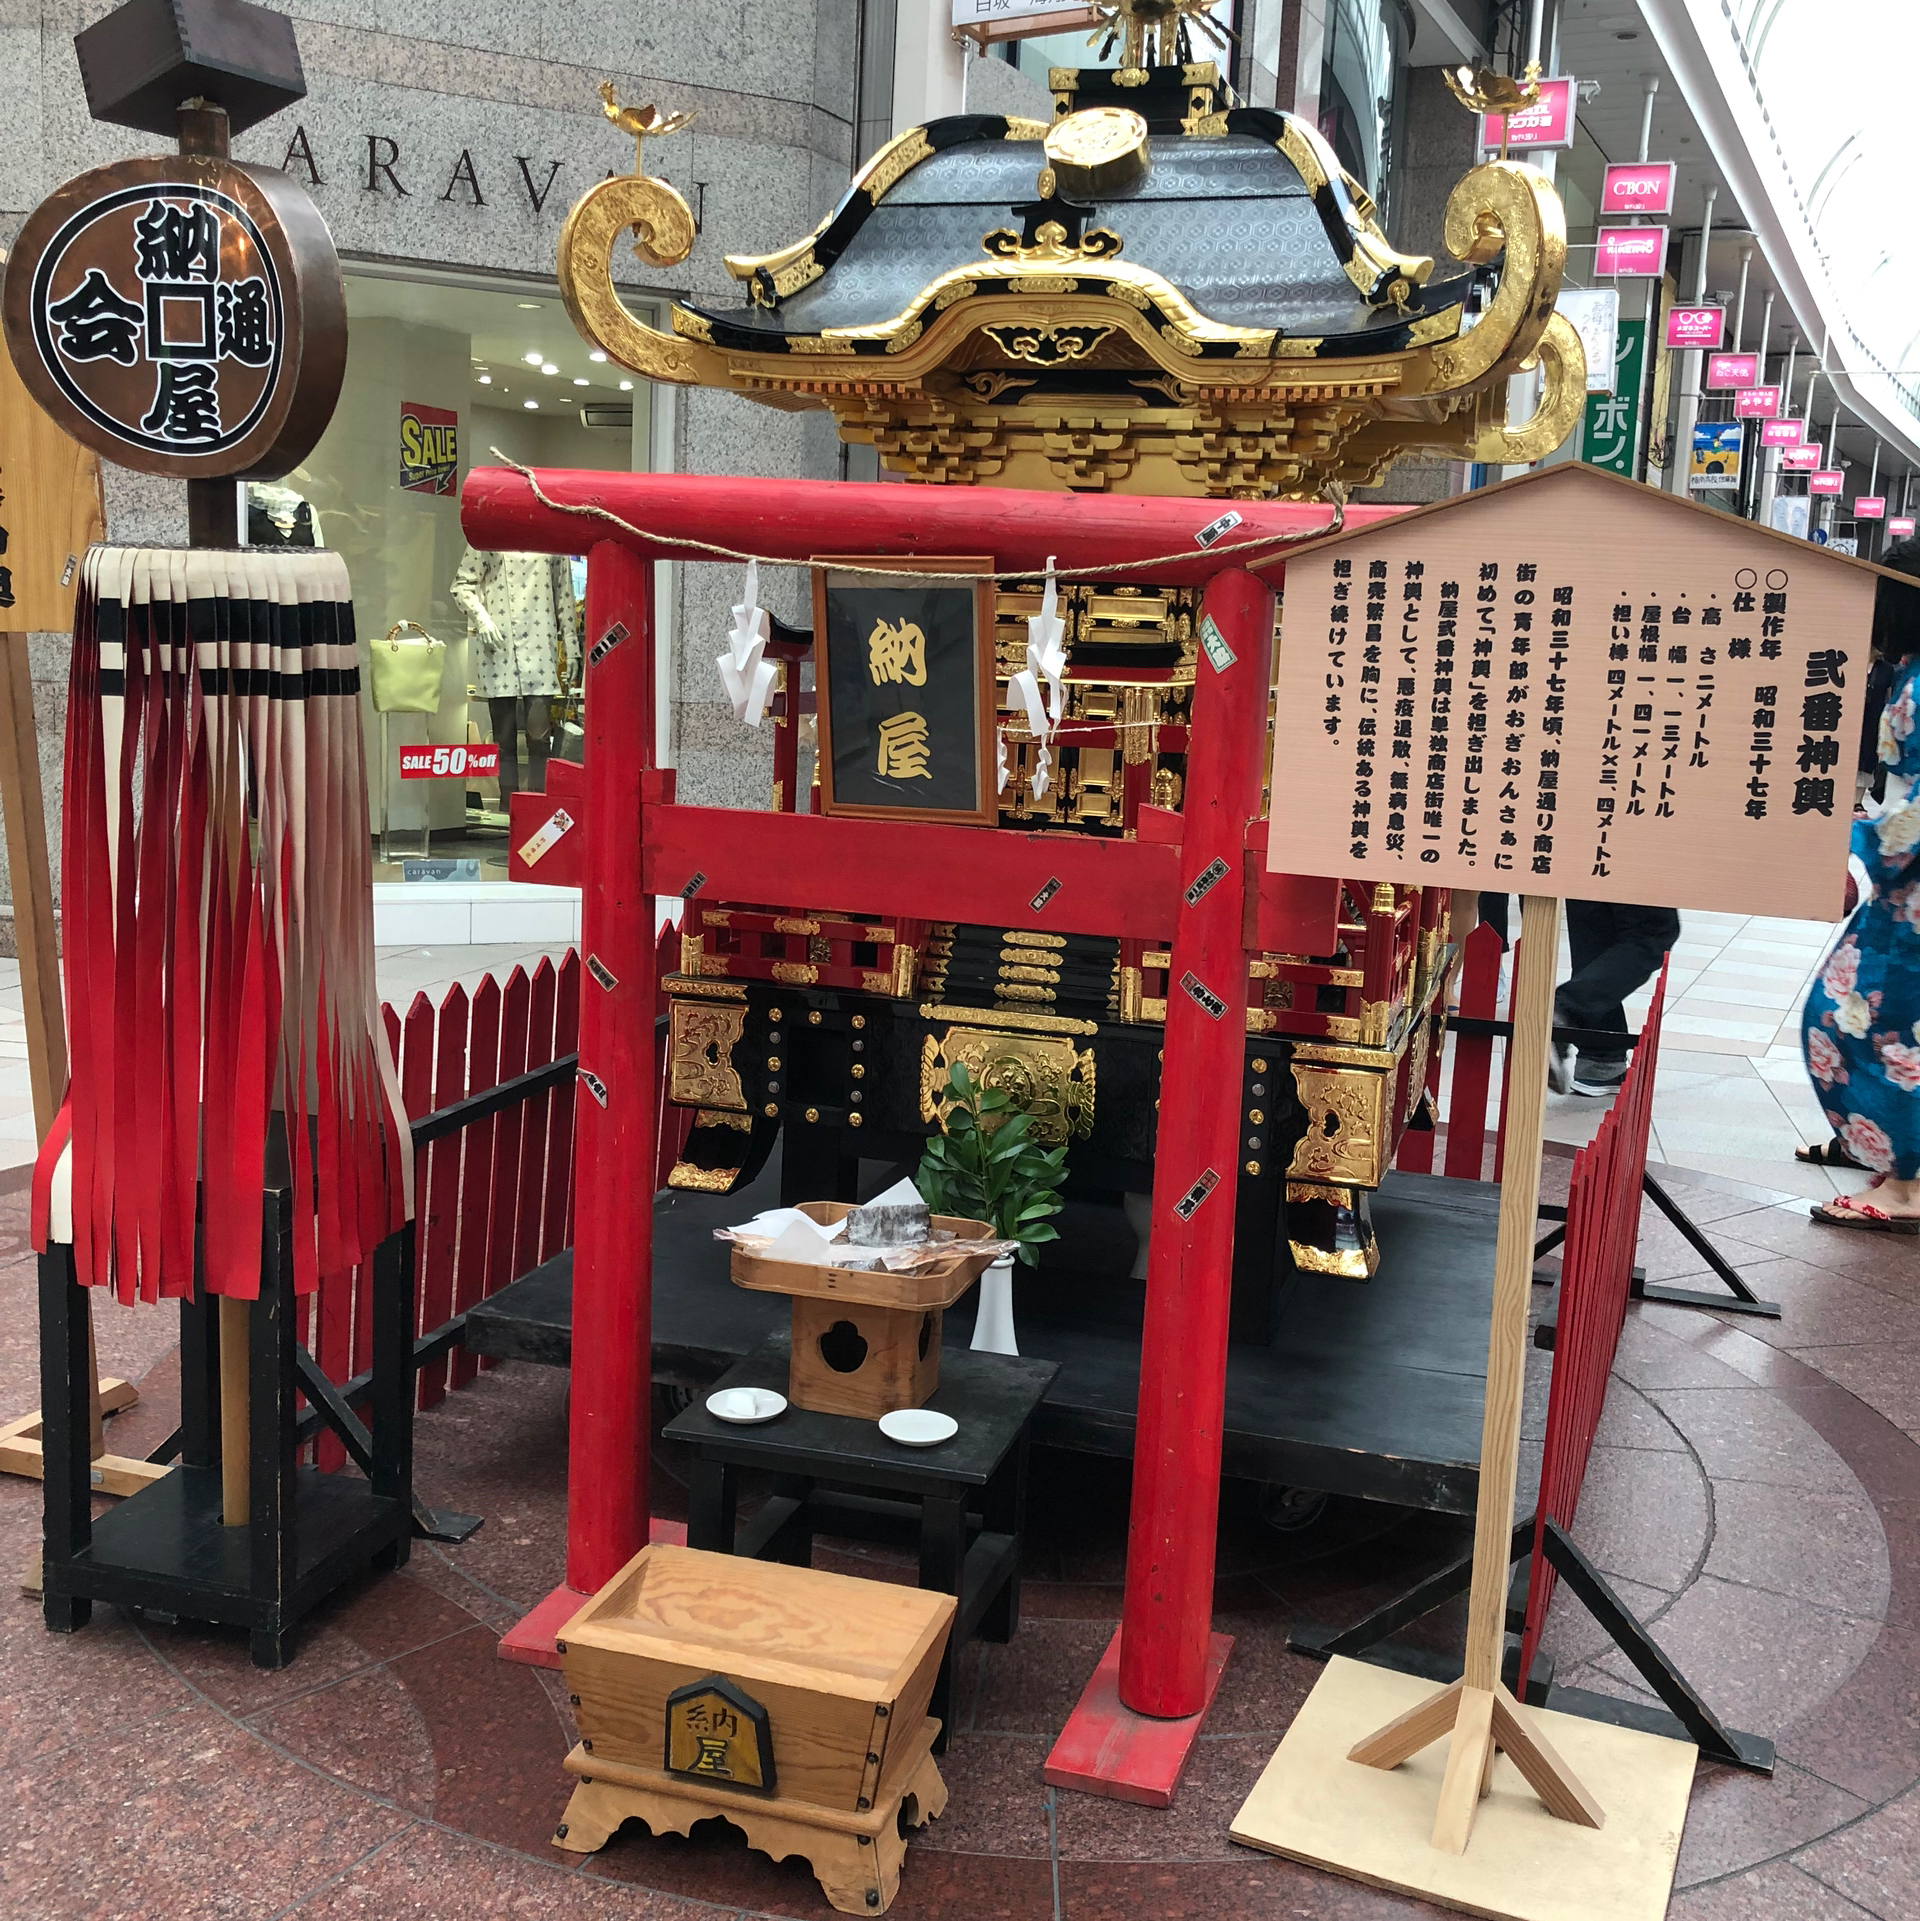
[1478, 1710]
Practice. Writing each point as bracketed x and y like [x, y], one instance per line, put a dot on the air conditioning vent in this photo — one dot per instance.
[609, 415]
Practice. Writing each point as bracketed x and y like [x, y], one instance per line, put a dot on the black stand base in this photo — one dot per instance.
[167, 1548]
[1685, 1718]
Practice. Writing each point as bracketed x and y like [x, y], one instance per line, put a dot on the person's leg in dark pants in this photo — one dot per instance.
[1617, 949]
[503, 713]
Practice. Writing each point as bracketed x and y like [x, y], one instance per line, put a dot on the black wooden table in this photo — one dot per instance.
[835, 1474]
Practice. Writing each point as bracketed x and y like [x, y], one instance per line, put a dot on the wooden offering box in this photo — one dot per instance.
[866, 1341]
[825, 1679]
[790, 1703]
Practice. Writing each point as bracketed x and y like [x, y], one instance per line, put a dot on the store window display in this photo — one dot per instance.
[522, 630]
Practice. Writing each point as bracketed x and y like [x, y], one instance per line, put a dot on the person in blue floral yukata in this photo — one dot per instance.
[1861, 1029]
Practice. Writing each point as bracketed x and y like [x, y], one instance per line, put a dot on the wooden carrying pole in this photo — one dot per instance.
[1478, 1710]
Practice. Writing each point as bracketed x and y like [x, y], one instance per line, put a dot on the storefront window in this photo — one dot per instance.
[1366, 47]
[441, 372]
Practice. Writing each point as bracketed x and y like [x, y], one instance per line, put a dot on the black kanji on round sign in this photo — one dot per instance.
[181, 316]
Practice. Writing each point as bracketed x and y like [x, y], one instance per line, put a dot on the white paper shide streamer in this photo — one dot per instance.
[1046, 660]
[744, 671]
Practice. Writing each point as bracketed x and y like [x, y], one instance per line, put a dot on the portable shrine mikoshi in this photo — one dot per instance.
[1035, 317]
[233, 1124]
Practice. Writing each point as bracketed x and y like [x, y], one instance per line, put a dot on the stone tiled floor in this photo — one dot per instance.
[1755, 1495]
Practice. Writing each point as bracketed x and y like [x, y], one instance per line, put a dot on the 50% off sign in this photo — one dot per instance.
[449, 763]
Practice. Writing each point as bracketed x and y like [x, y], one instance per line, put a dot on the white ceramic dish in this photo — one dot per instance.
[918, 1426]
[746, 1405]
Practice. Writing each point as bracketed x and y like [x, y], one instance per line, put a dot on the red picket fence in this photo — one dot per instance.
[1461, 1115]
[1596, 1275]
[493, 1199]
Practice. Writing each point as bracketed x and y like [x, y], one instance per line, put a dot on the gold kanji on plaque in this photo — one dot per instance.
[903, 747]
[718, 1732]
[897, 652]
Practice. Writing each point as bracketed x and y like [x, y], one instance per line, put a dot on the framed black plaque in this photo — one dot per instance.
[904, 672]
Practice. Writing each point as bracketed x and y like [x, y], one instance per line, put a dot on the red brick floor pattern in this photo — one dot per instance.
[1755, 1494]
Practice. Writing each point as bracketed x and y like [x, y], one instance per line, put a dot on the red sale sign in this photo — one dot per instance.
[1547, 123]
[448, 763]
[1725, 371]
[1642, 187]
[1782, 432]
[1695, 326]
[1830, 480]
[1638, 253]
[1870, 507]
[1756, 403]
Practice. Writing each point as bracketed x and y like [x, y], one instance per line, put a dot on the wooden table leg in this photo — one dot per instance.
[712, 1497]
[943, 1561]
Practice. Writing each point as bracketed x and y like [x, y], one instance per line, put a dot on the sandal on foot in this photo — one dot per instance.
[1831, 1153]
[1849, 1211]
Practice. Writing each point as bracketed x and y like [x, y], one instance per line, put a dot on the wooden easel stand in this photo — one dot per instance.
[1477, 1710]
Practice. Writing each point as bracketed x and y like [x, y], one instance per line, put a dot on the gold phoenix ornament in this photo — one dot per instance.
[1160, 21]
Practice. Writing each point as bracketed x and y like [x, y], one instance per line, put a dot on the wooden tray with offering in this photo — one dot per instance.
[866, 1340]
[939, 1284]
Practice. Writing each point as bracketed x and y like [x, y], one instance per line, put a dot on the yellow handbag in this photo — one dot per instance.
[407, 673]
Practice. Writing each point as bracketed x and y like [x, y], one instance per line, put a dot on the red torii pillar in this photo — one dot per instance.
[1134, 1727]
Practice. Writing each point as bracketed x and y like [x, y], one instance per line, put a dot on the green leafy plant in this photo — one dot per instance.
[986, 1166]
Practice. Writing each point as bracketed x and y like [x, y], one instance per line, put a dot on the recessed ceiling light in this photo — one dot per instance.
[1627, 33]
[549, 368]
[626, 386]
[529, 306]
[530, 403]
[533, 359]
[486, 380]
[596, 355]
[578, 382]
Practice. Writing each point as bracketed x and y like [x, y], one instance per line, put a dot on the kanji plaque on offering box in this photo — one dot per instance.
[1570, 684]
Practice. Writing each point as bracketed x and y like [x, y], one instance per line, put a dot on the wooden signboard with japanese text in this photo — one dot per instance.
[1576, 686]
[903, 667]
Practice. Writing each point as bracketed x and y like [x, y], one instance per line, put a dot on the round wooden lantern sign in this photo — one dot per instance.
[182, 315]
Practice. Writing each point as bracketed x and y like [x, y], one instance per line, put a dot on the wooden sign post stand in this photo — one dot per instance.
[1477, 1710]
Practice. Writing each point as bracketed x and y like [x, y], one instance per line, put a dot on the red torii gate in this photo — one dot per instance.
[638, 843]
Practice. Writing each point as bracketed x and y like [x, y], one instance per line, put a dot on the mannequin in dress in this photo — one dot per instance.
[521, 620]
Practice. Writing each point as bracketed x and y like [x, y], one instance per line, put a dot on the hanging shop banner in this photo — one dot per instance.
[1829, 480]
[1642, 187]
[429, 762]
[905, 669]
[429, 448]
[1756, 403]
[1727, 372]
[1547, 123]
[1870, 507]
[1631, 253]
[1592, 689]
[1607, 434]
[1716, 454]
[1900, 527]
[180, 314]
[1806, 458]
[1782, 432]
[1595, 314]
[1691, 327]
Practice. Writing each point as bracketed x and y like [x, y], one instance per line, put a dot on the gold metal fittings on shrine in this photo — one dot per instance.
[664, 224]
[1098, 151]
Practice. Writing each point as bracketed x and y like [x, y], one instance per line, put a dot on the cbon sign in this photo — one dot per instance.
[1645, 187]
[1637, 253]
[1731, 371]
[1696, 326]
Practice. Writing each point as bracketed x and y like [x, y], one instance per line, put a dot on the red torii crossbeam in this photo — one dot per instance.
[1129, 1737]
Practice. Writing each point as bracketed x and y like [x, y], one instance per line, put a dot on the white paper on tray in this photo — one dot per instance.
[776, 1220]
[900, 1194]
[803, 1242]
